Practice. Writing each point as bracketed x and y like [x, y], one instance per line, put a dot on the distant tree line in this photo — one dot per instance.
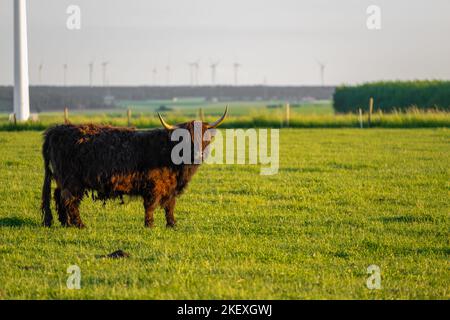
[393, 95]
[48, 98]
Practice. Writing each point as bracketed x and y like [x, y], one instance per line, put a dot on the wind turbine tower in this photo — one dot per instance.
[236, 67]
[191, 73]
[40, 67]
[65, 67]
[91, 73]
[196, 66]
[104, 67]
[21, 81]
[213, 67]
[168, 74]
[322, 72]
[155, 73]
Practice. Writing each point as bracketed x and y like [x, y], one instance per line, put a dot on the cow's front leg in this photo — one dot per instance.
[149, 206]
[169, 208]
[61, 208]
[71, 203]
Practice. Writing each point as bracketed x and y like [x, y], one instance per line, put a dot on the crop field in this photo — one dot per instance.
[343, 199]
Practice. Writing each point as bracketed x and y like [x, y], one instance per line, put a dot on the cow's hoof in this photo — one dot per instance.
[47, 224]
[79, 225]
[171, 225]
[149, 225]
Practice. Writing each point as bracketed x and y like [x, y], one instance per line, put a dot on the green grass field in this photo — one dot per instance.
[319, 114]
[343, 199]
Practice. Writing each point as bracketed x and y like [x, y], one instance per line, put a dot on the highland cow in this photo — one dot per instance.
[112, 162]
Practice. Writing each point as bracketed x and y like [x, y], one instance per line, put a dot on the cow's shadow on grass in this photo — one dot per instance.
[16, 222]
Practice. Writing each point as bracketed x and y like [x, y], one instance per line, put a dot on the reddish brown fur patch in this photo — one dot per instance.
[164, 180]
[88, 131]
[123, 183]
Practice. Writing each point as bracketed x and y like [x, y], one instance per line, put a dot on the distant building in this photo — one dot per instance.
[108, 100]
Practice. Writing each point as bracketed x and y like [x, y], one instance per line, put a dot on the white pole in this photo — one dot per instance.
[21, 94]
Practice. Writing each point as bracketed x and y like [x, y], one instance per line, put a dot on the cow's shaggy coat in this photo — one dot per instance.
[111, 162]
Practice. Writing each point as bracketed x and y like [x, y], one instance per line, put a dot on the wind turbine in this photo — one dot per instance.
[196, 66]
[155, 73]
[104, 67]
[21, 91]
[191, 73]
[40, 67]
[236, 67]
[91, 73]
[168, 74]
[322, 71]
[213, 67]
[65, 67]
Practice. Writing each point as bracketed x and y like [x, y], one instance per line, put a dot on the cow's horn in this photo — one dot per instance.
[165, 124]
[218, 122]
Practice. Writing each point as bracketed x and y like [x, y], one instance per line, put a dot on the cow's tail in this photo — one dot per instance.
[46, 188]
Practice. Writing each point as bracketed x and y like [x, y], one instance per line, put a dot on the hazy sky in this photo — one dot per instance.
[276, 40]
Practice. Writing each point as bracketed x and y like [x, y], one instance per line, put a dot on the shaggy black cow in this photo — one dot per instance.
[112, 162]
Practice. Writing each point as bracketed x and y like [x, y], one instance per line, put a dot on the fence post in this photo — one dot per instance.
[360, 118]
[288, 114]
[201, 115]
[66, 115]
[129, 117]
[370, 111]
[14, 119]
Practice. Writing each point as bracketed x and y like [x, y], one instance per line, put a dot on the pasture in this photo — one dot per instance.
[247, 114]
[343, 199]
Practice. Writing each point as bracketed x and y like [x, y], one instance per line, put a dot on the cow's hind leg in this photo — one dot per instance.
[71, 203]
[149, 206]
[169, 208]
[63, 217]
